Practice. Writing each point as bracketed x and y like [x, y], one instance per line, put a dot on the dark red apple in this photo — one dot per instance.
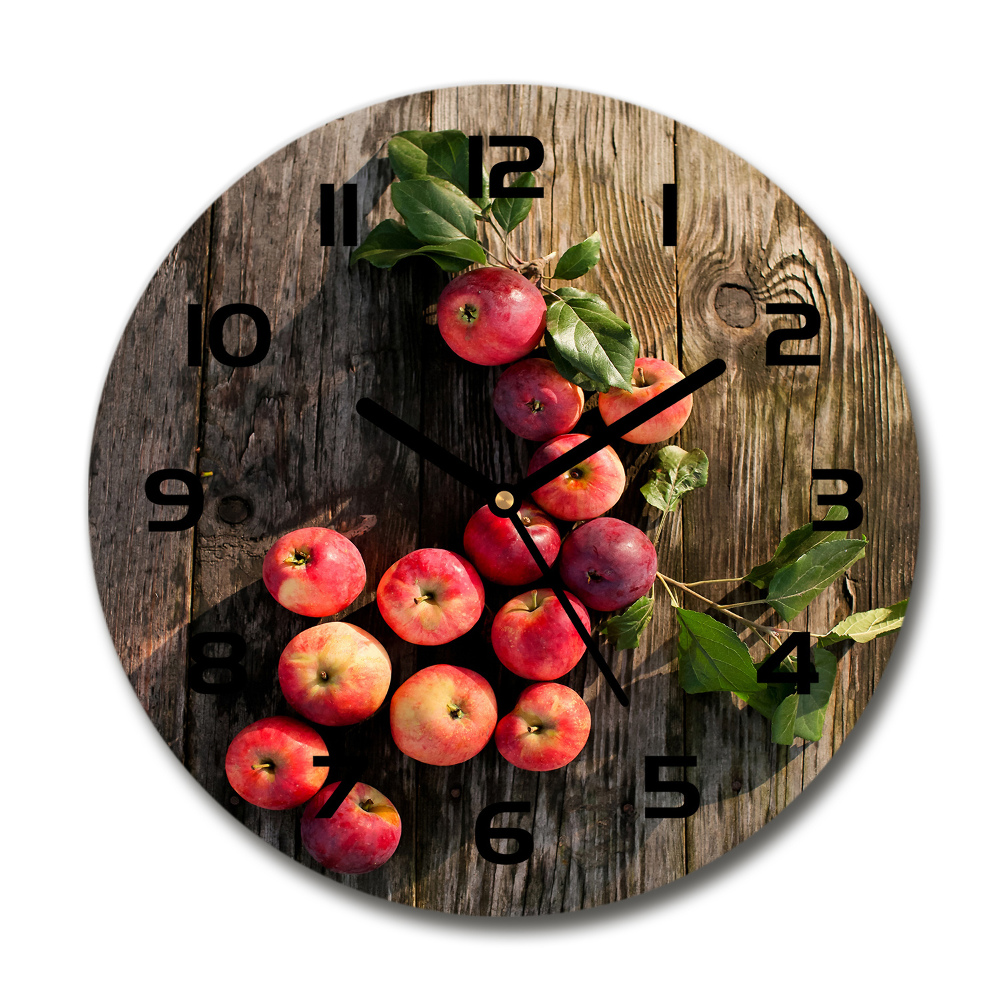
[491, 315]
[493, 544]
[535, 401]
[607, 563]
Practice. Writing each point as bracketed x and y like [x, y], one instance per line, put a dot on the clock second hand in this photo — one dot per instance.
[549, 579]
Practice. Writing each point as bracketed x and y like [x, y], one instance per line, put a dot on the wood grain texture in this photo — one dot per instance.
[286, 449]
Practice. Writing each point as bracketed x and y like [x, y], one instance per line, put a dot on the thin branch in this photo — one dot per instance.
[764, 631]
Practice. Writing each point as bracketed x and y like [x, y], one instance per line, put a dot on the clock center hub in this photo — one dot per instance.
[504, 500]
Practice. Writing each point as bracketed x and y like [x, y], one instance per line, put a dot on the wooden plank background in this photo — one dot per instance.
[286, 449]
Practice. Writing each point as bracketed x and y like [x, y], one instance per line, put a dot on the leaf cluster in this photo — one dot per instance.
[586, 341]
[805, 563]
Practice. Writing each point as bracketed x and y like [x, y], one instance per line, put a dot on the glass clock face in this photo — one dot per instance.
[782, 514]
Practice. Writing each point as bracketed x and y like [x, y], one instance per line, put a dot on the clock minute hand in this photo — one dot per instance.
[426, 448]
[623, 425]
[551, 581]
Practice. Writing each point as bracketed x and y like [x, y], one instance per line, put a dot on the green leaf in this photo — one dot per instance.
[390, 242]
[793, 545]
[794, 586]
[434, 210]
[511, 212]
[623, 630]
[865, 625]
[443, 154]
[567, 371]
[591, 339]
[783, 721]
[712, 658]
[767, 701]
[579, 258]
[676, 472]
[803, 714]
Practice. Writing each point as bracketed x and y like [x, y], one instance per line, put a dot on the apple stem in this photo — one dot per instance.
[533, 729]
[455, 712]
[638, 379]
[421, 598]
[267, 765]
[299, 557]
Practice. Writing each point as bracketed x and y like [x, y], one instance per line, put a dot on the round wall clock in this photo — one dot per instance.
[504, 500]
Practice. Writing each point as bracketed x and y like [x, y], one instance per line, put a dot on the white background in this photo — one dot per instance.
[121, 123]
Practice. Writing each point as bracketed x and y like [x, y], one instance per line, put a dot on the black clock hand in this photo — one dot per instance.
[623, 425]
[427, 449]
[550, 579]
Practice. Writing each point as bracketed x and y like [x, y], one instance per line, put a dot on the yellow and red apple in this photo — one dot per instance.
[334, 674]
[430, 596]
[443, 714]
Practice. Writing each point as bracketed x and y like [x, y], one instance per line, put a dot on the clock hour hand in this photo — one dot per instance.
[428, 449]
[575, 455]
[550, 579]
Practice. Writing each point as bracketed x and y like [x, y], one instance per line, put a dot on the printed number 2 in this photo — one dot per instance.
[772, 350]
[536, 156]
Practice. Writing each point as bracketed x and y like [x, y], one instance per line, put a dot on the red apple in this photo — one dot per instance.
[534, 638]
[314, 571]
[491, 315]
[430, 596]
[649, 378]
[585, 491]
[443, 714]
[334, 674]
[547, 728]
[607, 563]
[270, 763]
[361, 835]
[535, 401]
[495, 547]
